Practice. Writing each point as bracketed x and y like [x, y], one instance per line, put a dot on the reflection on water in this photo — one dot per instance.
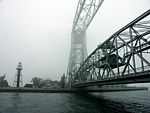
[99, 104]
[16, 99]
[117, 102]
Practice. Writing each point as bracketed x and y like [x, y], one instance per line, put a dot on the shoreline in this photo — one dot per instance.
[42, 90]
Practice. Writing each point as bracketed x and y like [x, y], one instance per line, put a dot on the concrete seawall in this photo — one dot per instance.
[41, 90]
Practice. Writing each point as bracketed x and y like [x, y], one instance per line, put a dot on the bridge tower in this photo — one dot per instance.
[18, 77]
[85, 12]
[78, 53]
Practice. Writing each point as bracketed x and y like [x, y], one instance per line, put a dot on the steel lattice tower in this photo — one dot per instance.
[18, 77]
[85, 13]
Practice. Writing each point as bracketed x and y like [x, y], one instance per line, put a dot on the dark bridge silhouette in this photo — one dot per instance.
[123, 58]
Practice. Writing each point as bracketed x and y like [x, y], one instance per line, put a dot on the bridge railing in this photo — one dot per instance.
[131, 72]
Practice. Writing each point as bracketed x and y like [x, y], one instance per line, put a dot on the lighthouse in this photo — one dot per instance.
[18, 76]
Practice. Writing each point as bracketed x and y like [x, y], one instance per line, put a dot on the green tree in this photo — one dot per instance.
[3, 81]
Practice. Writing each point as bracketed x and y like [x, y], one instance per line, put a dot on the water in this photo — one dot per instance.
[116, 102]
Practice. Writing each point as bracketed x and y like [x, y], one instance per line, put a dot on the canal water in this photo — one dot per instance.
[114, 102]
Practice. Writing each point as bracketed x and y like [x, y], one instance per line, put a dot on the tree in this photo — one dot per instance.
[37, 82]
[47, 83]
[62, 81]
[3, 81]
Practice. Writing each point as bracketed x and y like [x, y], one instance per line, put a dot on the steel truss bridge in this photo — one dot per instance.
[123, 58]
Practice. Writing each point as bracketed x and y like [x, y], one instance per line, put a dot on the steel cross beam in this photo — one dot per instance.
[85, 13]
[123, 58]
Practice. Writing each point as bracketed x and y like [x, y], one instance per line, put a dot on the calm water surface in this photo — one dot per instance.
[116, 102]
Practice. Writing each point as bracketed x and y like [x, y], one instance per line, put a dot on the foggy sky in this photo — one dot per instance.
[38, 33]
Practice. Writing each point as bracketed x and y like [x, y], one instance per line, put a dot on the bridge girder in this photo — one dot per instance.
[85, 12]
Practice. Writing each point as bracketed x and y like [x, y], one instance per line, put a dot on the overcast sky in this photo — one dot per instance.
[38, 33]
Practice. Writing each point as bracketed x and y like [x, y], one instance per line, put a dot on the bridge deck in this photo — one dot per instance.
[140, 77]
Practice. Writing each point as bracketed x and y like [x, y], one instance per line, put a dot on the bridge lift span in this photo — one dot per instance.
[122, 59]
